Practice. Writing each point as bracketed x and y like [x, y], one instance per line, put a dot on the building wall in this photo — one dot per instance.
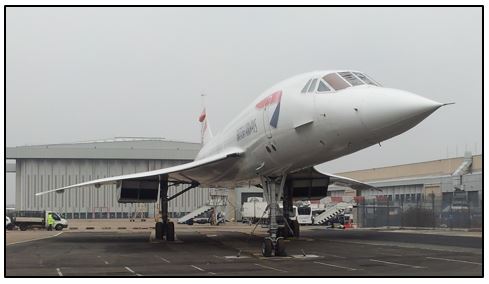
[37, 175]
[418, 187]
[430, 168]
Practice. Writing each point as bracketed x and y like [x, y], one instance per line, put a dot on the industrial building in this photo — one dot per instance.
[411, 182]
[42, 167]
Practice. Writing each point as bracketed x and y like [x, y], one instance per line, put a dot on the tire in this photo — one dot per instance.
[267, 248]
[23, 227]
[159, 231]
[58, 227]
[170, 232]
[280, 248]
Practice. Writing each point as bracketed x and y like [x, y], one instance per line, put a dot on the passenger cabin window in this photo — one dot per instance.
[365, 79]
[335, 81]
[350, 78]
[313, 85]
[306, 87]
[322, 87]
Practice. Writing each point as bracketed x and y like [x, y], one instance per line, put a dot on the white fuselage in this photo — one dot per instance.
[313, 127]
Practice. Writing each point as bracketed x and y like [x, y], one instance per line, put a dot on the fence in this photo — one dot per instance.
[425, 212]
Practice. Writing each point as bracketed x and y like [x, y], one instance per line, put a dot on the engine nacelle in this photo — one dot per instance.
[137, 191]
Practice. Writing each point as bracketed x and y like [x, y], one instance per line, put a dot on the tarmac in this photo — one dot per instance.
[122, 248]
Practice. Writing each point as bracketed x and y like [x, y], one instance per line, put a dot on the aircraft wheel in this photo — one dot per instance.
[266, 248]
[280, 248]
[170, 232]
[159, 230]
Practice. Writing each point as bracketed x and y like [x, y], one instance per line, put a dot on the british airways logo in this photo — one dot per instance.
[272, 105]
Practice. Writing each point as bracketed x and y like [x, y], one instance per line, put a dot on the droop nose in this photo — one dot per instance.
[395, 111]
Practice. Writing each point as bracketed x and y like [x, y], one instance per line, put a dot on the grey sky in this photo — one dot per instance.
[86, 73]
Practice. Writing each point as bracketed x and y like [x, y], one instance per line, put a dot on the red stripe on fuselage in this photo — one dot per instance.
[272, 99]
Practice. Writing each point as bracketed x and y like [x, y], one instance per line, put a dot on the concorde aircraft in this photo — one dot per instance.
[276, 142]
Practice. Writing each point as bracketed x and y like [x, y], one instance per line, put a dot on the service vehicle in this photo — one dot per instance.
[37, 219]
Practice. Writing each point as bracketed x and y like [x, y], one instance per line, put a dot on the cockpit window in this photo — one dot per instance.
[322, 87]
[365, 79]
[313, 85]
[352, 79]
[306, 86]
[335, 81]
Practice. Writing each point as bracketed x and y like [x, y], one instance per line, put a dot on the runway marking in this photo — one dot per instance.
[334, 255]
[198, 268]
[165, 260]
[396, 263]
[301, 256]
[333, 265]
[269, 267]
[454, 260]
[20, 242]
[132, 271]
[59, 272]
[234, 256]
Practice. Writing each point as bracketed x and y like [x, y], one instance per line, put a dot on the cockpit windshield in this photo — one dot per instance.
[343, 80]
[337, 81]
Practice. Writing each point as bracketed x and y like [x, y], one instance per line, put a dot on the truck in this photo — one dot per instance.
[255, 210]
[36, 219]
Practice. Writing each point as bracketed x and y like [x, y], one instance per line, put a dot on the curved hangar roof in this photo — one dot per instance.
[134, 148]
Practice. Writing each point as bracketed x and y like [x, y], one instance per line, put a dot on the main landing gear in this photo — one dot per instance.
[165, 229]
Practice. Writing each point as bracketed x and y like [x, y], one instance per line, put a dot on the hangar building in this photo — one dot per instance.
[409, 182]
[43, 167]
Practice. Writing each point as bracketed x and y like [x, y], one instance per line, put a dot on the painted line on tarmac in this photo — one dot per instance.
[334, 255]
[132, 271]
[165, 260]
[454, 260]
[412, 246]
[334, 265]
[198, 268]
[59, 272]
[396, 263]
[20, 242]
[269, 267]
[203, 270]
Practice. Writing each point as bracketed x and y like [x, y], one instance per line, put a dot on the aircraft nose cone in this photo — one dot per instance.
[395, 111]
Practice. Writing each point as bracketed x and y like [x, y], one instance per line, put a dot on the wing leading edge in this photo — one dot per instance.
[201, 171]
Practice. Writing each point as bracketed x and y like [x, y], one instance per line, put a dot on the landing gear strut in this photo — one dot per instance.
[274, 243]
[164, 229]
[292, 227]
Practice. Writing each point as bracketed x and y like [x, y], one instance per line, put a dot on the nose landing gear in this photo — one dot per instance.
[274, 244]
